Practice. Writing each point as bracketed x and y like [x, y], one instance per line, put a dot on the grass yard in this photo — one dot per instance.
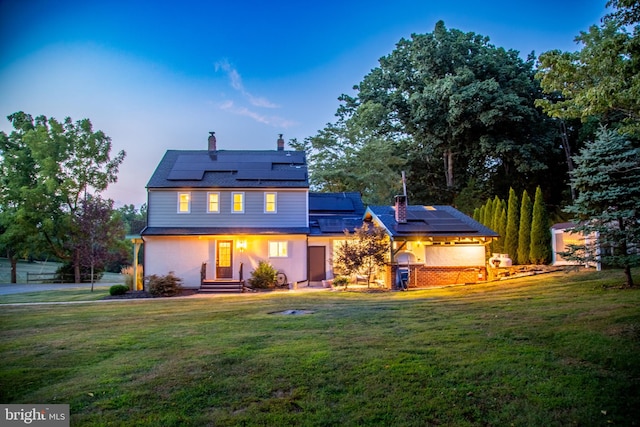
[552, 350]
[62, 295]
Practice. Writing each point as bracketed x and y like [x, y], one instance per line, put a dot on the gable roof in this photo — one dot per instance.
[333, 213]
[429, 221]
[231, 169]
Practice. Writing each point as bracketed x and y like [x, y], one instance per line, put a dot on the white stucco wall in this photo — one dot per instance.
[182, 255]
[185, 255]
[454, 256]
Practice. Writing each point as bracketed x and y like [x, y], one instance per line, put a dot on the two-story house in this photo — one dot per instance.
[213, 212]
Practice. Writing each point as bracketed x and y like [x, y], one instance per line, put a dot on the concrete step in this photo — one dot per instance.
[221, 286]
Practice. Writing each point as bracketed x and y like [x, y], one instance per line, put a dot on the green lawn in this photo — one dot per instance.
[62, 295]
[551, 350]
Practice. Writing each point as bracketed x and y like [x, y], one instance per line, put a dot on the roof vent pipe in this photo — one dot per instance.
[280, 143]
[212, 141]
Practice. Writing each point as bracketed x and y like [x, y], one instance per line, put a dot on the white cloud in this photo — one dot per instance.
[270, 120]
[236, 83]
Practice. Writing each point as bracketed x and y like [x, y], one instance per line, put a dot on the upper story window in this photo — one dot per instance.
[271, 202]
[237, 200]
[184, 202]
[213, 202]
[278, 249]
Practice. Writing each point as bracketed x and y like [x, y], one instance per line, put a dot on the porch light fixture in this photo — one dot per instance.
[241, 244]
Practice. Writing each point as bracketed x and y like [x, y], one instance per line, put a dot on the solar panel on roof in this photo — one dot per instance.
[339, 204]
[269, 175]
[428, 214]
[331, 225]
[434, 228]
[185, 175]
[249, 166]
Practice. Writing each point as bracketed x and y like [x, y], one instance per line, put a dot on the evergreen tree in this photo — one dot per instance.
[488, 214]
[502, 227]
[540, 252]
[476, 214]
[511, 234]
[524, 230]
[607, 178]
[496, 245]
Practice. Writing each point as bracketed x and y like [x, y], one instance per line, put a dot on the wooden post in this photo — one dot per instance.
[136, 249]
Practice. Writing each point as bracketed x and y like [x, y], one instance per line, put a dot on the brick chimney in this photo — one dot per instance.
[401, 209]
[280, 143]
[212, 141]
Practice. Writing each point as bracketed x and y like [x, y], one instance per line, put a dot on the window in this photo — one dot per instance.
[184, 202]
[238, 202]
[270, 202]
[213, 202]
[278, 250]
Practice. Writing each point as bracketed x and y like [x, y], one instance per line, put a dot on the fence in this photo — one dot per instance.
[60, 278]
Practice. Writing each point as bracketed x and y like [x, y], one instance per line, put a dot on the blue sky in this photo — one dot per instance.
[160, 75]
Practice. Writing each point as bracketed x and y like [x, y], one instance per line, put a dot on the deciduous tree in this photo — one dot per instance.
[460, 108]
[95, 231]
[601, 79]
[363, 251]
[66, 162]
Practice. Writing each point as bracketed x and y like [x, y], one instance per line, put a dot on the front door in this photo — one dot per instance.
[224, 258]
[317, 262]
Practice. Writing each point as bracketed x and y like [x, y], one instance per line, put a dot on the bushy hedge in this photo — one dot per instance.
[118, 290]
[164, 286]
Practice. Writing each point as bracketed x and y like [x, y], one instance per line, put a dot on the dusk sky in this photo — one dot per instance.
[160, 75]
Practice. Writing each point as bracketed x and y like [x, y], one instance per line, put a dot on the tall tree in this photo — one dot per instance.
[462, 109]
[345, 157]
[600, 80]
[511, 234]
[497, 244]
[524, 230]
[607, 178]
[23, 210]
[70, 161]
[540, 251]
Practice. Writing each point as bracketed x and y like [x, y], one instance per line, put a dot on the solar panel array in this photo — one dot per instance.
[433, 222]
[330, 203]
[261, 166]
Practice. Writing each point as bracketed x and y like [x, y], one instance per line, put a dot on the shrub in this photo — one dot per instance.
[118, 290]
[341, 281]
[165, 286]
[264, 276]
